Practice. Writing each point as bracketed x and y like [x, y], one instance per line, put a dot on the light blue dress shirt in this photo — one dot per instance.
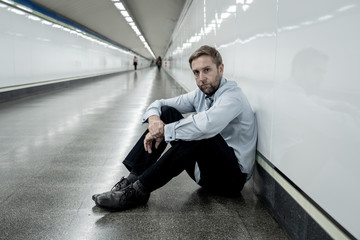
[230, 115]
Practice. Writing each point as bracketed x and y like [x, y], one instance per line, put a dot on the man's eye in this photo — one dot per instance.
[196, 73]
[206, 70]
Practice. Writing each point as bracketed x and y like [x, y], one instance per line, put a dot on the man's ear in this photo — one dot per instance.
[221, 68]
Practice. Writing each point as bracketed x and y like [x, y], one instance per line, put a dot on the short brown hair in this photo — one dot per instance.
[207, 51]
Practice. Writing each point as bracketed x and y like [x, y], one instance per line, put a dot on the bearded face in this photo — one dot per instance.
[207, 74]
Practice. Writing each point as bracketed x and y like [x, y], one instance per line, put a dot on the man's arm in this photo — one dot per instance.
[182, 103]
[156, 132]
[208, 123]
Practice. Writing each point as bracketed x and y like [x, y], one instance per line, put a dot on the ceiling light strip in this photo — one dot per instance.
[120, 6]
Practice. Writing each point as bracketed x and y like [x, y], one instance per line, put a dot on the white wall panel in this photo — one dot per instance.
[37, 50]
[316, 117]
[6, 46]
[298, 63]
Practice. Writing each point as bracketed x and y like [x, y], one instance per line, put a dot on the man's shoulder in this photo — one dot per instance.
[192, 95]
[231, 83]
[230, 86]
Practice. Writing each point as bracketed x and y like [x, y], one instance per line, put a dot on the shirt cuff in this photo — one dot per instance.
[149, 113]
[169, 132]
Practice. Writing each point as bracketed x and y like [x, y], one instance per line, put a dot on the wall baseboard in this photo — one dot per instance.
[300, 217]
[17, 92]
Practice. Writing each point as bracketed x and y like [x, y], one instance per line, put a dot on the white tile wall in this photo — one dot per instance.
[298, 63]
[33, 50]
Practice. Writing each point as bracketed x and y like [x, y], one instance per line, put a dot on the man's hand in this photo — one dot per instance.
[156, 126]
[149, 140]
[156, 133]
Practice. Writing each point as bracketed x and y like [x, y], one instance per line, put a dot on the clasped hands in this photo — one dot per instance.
[156, 133]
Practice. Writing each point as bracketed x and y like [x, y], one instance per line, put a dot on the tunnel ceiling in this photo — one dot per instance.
[156, 19]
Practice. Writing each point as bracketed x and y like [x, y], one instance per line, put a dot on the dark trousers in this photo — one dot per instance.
[220, 172]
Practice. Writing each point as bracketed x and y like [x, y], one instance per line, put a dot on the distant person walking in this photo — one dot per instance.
[135, 62]
[159, 62]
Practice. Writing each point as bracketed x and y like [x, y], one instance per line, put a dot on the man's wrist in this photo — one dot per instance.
[152, 118]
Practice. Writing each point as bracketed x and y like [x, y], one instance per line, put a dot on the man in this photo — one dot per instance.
[216, 145]
[135, 62]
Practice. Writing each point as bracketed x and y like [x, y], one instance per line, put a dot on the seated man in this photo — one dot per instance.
[216, 145]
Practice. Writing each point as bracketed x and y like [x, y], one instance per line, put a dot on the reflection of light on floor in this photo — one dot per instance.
[132, 128]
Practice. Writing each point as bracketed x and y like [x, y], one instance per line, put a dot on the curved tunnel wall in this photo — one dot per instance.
[297, 61]
[38, 48]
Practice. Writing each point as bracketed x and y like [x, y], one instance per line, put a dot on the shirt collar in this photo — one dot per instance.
[214, 96]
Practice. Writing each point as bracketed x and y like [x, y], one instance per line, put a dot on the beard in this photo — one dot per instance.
[210, 89]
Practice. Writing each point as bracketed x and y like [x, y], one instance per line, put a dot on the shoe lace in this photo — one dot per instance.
[120, 184]
[129, 192]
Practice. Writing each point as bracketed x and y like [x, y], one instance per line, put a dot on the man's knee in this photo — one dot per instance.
[168, 110]
[170, 114]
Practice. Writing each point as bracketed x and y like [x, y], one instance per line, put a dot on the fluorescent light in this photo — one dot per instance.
[56, 26]
[135, 28]
[345, 8]
[326, 17]
[34, 18]
[212, 25]
[137, 32]
[130, 21]
[245, 7]
[125, 13]
[231, 9]
[120, 6]
[17, 11]
[225, 15]
[46, 22]
[193, 39]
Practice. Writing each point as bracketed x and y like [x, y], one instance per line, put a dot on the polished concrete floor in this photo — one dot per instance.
[59, 148]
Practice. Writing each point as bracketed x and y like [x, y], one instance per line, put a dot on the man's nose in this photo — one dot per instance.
[202, 76]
